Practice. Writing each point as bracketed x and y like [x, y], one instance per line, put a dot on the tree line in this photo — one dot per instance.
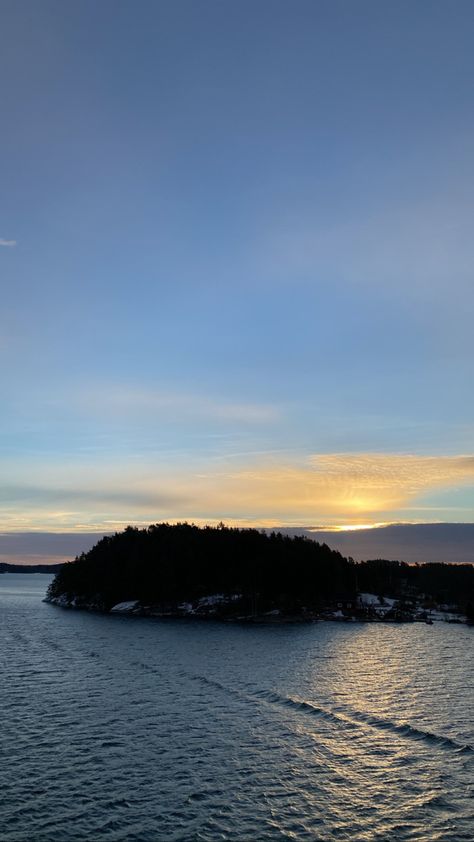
[165, 563]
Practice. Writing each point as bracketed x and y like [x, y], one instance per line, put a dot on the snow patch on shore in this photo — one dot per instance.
[124, 607]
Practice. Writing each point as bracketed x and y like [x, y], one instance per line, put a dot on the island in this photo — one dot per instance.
[252, 575]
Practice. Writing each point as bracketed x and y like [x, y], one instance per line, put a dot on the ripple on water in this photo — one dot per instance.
[152, 730]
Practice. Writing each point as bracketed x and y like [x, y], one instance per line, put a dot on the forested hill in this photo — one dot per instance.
[257, 572]
[170, 563]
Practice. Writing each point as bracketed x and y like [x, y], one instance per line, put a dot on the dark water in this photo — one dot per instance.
[116, 728]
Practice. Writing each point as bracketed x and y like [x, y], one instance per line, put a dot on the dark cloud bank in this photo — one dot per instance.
[44, 547]
[451, 542]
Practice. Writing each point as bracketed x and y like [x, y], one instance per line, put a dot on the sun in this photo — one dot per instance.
[354, 527]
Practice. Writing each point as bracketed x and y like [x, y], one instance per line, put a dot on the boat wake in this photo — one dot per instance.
[353, 719]
[346, 718]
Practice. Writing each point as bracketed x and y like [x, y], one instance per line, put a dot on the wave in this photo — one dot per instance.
[352, 719]
[348, 718]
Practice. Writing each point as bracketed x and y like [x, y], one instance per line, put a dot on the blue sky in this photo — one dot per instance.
[236, 262]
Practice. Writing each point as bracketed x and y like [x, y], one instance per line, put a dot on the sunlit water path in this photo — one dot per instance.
[134, 729]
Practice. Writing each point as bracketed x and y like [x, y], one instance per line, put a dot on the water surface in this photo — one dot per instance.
[122, 728]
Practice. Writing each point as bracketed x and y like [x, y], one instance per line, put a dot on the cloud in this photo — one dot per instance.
[7, 243]
[44, 547]
[420, 247]
[408, 542]
[419, 542]
[152, 403]
[375, 482]
[133, 499]
[330, 489]
[327, 487]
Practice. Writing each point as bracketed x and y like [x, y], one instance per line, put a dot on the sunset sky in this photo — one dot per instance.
[236, 262]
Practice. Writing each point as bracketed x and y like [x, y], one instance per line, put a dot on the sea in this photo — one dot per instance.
[120, 728]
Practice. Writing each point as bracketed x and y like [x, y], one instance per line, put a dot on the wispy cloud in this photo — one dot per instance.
[7, 243]
[331, 489]
[133, 499]
[419, 246]
[377, 482]
[152, 403]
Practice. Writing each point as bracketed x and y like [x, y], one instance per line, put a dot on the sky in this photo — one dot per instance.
[236, 263]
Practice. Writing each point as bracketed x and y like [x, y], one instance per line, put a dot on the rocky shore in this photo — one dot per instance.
[235, 608]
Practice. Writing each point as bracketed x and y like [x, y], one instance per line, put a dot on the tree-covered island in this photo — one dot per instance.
[246, 574]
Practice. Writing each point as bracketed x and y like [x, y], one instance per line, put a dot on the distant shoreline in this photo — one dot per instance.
[50, 569]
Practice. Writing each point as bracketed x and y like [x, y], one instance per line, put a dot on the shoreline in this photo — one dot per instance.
[133, 608]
